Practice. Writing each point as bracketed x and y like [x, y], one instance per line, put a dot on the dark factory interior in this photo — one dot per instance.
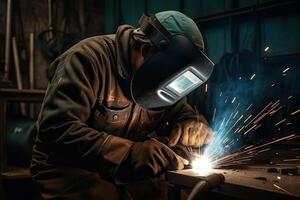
[149, 99]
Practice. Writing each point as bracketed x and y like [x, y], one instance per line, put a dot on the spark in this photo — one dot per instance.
[241, 129]
[291, 160]
[235, 123]
[280, 122]
[264, 150]
[222, 123]
[290, 97]
[221, 93]
[294, 137]
[248, 147]
[275, 104]
[273, 84]
[267, 49]
[247, 118]
[250, 129]
[249, 107]
[252, 76]
[233, 100]
[225, 140]
[237, 130]
[231, 115]
[284, 71]
[237, 112]
[206, 87]
[249, 150]
[275, 111]
[229, 119]
[260, 118]
[287, 164]
[294, 113]
[214, 115]
[257, 127]
[275, 141]
[272, 142]
[259, 113]
[282, 189]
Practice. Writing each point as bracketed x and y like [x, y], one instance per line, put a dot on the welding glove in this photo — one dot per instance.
[190, 132]
[148, 159]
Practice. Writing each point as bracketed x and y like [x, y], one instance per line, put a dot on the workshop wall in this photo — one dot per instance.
[278, 32]
[31, 16]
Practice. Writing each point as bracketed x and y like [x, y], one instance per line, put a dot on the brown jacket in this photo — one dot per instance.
[88, 119]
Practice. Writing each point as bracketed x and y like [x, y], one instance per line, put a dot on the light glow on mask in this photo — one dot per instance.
[184, 82]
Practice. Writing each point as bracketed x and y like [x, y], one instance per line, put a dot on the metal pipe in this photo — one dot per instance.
[50, 19]
[7, 41]
[31, 69]
[18, 72]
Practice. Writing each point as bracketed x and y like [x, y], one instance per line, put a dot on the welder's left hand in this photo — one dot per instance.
[191, 133]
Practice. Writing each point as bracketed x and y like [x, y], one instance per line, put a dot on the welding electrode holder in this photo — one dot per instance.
[205, 185]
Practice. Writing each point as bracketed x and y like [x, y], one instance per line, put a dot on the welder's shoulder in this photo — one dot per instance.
[94, 47]
[97, 44]
[94, 50]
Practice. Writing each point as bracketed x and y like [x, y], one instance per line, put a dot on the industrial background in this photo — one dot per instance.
[255, 45]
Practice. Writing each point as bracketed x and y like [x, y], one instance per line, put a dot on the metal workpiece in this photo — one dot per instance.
[248, 183]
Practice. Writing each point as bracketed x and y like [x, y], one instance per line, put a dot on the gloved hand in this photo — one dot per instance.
[191, 133]
[149, 158]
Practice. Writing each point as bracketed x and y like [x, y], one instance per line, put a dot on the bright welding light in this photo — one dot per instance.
[202, 165]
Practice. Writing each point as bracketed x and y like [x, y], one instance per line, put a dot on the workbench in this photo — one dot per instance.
[247, 184]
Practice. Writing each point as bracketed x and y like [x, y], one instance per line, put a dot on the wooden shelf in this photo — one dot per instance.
[24, 95]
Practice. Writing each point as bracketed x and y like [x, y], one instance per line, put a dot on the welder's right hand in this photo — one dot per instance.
[150, 158]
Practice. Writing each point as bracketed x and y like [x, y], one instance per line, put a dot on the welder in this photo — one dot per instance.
[115, 109]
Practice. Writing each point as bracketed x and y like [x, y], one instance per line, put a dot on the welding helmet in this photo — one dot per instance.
[173, 71]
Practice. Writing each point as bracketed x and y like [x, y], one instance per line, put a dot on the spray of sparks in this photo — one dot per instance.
[240, 121]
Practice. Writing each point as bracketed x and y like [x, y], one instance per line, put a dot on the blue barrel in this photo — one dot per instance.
[20, 138]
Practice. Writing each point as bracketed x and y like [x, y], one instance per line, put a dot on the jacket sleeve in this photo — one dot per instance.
[180, 111]
[62, 123]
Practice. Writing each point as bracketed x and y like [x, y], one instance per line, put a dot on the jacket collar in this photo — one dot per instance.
[123, 40]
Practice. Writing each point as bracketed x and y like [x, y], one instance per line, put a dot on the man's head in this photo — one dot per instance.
[167, 59]
[175, 23]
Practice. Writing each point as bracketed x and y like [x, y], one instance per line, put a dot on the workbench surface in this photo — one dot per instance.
[244, 183]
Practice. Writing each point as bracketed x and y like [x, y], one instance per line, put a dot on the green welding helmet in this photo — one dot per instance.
[176, 69]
